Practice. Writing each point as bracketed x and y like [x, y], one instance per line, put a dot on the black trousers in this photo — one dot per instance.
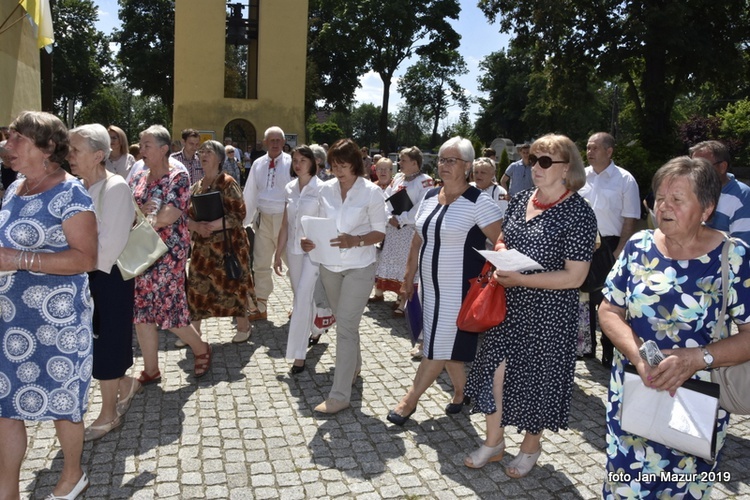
[595, 298]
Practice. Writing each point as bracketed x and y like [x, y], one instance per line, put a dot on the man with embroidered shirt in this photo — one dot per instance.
[613, 194]
[732, 215]
[264, 201]
[189, 154]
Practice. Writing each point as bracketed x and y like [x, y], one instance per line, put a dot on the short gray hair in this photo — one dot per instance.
[161, 134]
[274, 130]
[319, 153]
[218, 148]
[699, 172]
[96, 136]
[464, 146]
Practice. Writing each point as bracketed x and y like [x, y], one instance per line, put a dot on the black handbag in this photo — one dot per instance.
[601, 264]
[231, 263]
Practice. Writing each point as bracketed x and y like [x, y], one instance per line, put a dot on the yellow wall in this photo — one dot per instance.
[199, 101]
[20, 86]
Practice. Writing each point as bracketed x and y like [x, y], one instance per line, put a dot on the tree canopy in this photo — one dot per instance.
[657, 50]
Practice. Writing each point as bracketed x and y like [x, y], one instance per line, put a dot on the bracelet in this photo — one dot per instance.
[19, 255]
[26, 260]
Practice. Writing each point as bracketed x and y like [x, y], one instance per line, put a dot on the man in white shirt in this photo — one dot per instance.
[613, 194]
[265, 200]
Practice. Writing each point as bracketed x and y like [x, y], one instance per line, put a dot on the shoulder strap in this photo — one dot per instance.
[721, 323]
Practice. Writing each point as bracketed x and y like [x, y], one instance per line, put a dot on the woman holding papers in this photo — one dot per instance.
[358, 208]
[215, 215]
[400, 229]
[301, 200]
[523, 374]
[452, 222]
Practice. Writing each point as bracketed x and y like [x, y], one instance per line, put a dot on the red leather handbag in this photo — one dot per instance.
[484, 305]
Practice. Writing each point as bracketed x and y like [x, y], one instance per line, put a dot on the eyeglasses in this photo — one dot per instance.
[544, 161]
[450, 161]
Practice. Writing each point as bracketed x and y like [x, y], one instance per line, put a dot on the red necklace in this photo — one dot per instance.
[544, 206]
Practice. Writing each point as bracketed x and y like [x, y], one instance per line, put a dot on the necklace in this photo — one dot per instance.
[411, 177]
[210, 185]
[544, 206]
[28, 189]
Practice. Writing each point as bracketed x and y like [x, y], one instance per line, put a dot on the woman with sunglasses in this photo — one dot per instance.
[523, 374]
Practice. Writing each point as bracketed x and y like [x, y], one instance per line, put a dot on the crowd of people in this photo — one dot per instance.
[69, 312]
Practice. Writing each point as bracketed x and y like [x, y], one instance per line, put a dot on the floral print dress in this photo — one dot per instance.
[160, 296]
[676, 304]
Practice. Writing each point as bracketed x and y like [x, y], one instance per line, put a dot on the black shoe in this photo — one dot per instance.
[607, 363]
[397, 419]
[297, 369]
[453, 408]
[313, 341]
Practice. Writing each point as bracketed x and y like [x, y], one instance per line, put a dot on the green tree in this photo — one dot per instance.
[659, 50]
[409, 129]
[432, 88]
[364, 124]
[146, 56]
[81, 53]
[328, 132]
[735, 127]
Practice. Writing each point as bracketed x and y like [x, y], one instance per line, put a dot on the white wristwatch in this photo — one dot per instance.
[707, 358]
[361, 241]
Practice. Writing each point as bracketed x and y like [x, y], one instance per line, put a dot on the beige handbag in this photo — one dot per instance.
[144, 247]
[733, 380]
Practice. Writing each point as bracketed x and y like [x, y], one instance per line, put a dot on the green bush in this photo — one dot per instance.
[502, 164]
[328, 132]
[635, 159]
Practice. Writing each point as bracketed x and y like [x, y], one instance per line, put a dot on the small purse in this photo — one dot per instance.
[413, 313]
[685, 422]
[231, 263]
[733, 380]
[484, 305]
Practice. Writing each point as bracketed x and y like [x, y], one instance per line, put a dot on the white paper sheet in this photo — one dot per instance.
[510, 260]
[321, 231]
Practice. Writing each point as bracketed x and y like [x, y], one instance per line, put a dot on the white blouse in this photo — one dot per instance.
[121, 166]
[415, 188]
[364, 210]
[115, 212]
[298, 204]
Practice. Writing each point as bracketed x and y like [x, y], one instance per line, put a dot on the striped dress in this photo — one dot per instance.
[447, 261]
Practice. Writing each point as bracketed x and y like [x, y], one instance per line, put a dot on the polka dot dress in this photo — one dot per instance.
[538, 337]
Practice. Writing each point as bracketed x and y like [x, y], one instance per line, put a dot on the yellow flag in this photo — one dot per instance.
[41, 17]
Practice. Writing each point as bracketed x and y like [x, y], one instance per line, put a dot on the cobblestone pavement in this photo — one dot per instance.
[247, 430]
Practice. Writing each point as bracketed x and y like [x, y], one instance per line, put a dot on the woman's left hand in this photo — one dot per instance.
[203, 228]
[508, 278]
[678, 366]
[393, 221]
[345, 241]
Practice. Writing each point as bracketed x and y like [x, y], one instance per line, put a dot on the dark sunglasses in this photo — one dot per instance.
[544, 161]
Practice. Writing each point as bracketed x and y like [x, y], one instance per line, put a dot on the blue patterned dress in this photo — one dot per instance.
[46, 361]
[675, 303]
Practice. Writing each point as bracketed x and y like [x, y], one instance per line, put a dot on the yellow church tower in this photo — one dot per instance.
[240, 68]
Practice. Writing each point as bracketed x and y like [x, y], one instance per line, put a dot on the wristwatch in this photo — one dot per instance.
[707, 358]
[361, 241]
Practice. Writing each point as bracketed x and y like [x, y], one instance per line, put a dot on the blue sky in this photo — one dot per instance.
[479, 38]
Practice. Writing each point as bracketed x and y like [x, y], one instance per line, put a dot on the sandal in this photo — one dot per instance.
[146, 379]
[123, 405]
[522, 464]
[202, 363]
[479, 457]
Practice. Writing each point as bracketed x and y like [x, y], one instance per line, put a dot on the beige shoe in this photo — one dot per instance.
[417, 351]
[241, 337]
[331, 406]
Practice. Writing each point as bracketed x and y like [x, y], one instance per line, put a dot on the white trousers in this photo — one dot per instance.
[303, 273]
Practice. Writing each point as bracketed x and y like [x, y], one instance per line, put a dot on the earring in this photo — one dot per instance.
[46, 164]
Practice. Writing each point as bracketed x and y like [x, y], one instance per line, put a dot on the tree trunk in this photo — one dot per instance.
[383, 122]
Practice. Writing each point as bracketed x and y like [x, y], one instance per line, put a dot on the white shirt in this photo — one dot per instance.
[298, 204]
[139, 165]
[115, 210]
[120, 166]
[364, 210]
[614, 196]
[415, 188]
[265, 188]
[495, 191]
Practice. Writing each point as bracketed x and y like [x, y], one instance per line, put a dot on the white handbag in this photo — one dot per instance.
[685, 422]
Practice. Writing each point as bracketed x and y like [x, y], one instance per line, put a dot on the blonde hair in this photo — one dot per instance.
[562, 145]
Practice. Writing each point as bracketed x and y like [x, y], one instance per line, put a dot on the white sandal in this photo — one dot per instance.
[522, 464]
[479, 457]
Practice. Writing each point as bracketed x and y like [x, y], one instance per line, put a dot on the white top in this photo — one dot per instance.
[265, 190]
[364, 210]
[115, 211]
[415, 188]
[140, 165]
[613, 195]
[299, 204]
[121, 166]
[495, 191]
